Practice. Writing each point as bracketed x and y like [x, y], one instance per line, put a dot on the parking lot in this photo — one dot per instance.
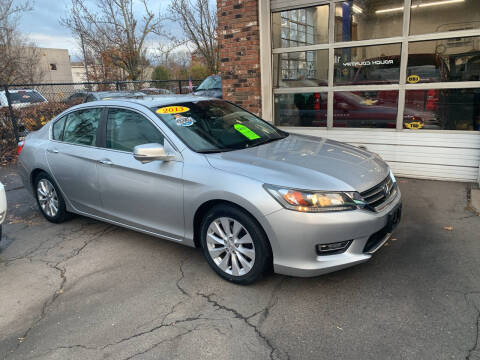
[89, 290]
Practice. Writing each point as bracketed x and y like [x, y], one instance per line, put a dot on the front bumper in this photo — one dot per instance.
[294, 237]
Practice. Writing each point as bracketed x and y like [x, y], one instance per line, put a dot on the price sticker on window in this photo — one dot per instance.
[245, 131]
[173, 110]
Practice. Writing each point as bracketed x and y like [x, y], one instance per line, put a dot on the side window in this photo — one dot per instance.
[57, 133]
[127, 129]
[81, 127]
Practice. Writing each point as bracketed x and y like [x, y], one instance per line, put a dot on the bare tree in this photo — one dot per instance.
[112, 31]
[199, 23]
[19, 57]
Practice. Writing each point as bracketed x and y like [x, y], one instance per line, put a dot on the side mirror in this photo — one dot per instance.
[150, 152]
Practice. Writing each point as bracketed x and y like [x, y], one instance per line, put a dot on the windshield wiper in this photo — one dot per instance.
[213, 151]
[269, 141]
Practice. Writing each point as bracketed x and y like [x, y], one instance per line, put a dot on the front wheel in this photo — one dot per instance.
[49, 199]
[234, 245]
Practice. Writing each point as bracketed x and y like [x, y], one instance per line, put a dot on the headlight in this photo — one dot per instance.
[315, 201]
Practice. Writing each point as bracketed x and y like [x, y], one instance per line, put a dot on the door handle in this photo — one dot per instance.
[53, 151]
[105, 162]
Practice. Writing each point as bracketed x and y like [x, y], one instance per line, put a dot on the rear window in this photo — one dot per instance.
[26, 97]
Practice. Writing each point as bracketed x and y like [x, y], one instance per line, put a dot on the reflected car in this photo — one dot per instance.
[205, 173]
[3, 207]
[210, 87]
[156, 91]
[350, 110]
[87, 96]
[22, 98]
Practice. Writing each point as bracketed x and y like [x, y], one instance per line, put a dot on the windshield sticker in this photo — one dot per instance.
[184, 121]
[173, 110]
[413, 79]
[245, 131]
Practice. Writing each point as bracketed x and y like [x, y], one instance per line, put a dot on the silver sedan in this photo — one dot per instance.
[206, 173]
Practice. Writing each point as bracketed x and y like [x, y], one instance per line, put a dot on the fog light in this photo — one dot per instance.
[333, 248]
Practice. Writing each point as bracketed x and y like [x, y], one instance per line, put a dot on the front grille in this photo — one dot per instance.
[379, 194]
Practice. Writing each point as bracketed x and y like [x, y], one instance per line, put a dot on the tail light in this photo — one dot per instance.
[20, 146]
[432, 100]
[316, 101]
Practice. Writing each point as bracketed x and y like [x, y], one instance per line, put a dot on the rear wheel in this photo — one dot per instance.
[234, 245]
[49, 199]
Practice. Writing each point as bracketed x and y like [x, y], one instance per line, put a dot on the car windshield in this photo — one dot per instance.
[26, 97]
[216, 126]
[211, 82]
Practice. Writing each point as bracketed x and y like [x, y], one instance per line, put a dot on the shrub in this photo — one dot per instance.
[32, 117]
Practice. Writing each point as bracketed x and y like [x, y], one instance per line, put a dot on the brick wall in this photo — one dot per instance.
[239, 38]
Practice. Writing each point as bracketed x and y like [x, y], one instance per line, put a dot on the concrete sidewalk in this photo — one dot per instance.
[89, 290]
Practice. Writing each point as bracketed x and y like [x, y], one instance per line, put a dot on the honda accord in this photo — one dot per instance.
[208, 174]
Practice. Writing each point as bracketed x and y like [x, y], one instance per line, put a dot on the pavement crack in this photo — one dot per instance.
[152, 347]
[474, 348]
[179, 287]
[275, 353]
[62, 273]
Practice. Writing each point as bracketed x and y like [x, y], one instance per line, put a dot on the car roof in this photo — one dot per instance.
[150, 101]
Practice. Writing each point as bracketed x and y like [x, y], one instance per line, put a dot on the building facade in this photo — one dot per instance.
[55, 65]
[401, 77]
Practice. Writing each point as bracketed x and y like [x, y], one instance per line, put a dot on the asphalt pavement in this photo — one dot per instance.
[89, 290]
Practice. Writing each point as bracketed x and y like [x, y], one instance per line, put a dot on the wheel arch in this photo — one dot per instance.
[33, 174]
[206, 206]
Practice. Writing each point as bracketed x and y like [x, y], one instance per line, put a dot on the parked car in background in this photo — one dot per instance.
[3, 207]
[22, 98]
[156, 91]
[87, 96]
[211, 87]
[349, 110]
[206, 173]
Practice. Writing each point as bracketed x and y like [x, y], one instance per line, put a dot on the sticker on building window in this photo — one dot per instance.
[413, 79]
[184, 121]
[245, 131]
[414, 125]
[173, 110]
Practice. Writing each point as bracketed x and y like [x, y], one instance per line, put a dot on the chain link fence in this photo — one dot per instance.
[28, 107]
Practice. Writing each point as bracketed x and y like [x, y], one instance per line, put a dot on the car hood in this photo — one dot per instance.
[306, 162]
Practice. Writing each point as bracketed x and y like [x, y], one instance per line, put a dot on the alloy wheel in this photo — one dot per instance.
[230, 246]
[47, 198]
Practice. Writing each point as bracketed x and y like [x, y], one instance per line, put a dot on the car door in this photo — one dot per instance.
[72, 156]
[147, 196]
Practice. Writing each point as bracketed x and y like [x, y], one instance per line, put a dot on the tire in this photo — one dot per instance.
[47, 192]
[245, 255]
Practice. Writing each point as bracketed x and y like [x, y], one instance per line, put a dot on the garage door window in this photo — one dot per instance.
[378, 64]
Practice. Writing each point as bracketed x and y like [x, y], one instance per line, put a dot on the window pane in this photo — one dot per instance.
[300, 27]
[81, 127]
[365, 109]
[367, 19]
[127, 129]
[455, 59]
[300, 69]
[367, 65]
[301, 109]
[431, 16]
[448, 109]
[58, 129]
